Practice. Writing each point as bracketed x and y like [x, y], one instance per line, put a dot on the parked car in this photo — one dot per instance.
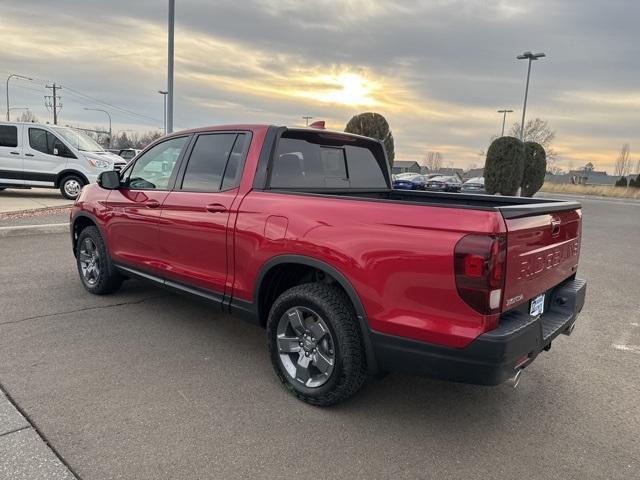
[410, 182]
[299, 231]
[129, 153]
[49, 156]
[444, 184]
[474, 185]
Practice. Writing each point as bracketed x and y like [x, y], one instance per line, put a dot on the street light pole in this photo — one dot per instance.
[164, 94]
[169, 115]
[108, 115]
[527, 56]
[9, 78]
[504, 118]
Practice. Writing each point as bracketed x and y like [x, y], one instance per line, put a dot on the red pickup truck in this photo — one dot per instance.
[300, 231]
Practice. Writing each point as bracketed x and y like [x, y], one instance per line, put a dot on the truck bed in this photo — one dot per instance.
[509, 207]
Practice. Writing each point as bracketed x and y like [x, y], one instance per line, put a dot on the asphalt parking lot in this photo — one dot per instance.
[145, 384]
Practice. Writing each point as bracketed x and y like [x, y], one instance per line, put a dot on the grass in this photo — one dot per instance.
[599, 190]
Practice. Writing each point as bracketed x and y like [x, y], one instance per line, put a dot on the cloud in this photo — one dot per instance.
[438, 70]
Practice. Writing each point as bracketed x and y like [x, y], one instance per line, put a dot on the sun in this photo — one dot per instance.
[346, 89]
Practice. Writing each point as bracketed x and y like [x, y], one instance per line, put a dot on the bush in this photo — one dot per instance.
[373, 125]
[504, 167]
[635, 183]
[535, 168]
[622, 182]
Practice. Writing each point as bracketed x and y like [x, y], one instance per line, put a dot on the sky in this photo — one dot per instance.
[437, 70]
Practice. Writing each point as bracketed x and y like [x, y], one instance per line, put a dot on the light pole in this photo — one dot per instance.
[531, 57]
[169, 115]
[9, 78]
[164, 94]
[307, 118]
[504, 118]
[108, 115]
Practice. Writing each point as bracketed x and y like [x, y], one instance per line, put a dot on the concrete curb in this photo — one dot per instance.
[34, 229]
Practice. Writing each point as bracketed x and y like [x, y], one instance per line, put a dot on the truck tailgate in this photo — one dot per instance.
[542, 251]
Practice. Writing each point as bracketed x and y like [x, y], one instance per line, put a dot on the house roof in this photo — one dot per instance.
[404, 163]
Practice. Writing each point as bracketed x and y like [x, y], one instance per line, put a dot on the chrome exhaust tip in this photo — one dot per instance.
[515, 380]
[569, 330]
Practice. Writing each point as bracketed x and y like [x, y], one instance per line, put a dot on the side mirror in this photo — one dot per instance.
[109, 180]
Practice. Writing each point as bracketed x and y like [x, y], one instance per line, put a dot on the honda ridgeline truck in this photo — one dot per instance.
[300, 231]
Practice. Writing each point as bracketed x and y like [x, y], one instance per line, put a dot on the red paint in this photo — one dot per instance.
[398, 257]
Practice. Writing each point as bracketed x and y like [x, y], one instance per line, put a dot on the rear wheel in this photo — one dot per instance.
[315, 344]
[96, 271]
[70, 186]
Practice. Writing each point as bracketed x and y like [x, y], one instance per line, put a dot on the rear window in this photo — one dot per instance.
[8, 136]
[307, 163]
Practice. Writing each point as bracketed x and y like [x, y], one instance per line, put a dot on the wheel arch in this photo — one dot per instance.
[261, 291]
[81, 221]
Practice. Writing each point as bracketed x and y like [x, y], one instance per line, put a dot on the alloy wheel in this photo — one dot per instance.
[306, 347]
[89, 261]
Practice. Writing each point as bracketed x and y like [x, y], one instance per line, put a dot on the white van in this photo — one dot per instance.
[50, 156]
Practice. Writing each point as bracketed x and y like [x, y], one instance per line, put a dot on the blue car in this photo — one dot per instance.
[410, 182]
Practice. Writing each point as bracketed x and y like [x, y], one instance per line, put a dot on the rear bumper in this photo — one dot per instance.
[494, 356]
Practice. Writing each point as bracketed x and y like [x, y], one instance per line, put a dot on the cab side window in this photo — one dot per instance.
[153, 169]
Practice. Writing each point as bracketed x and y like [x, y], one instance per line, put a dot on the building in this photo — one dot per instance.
[450, 172]
[405, 166]
[583, 177]
[473, 173]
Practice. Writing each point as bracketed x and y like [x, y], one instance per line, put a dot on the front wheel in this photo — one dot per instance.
[315, 344]
[70, 186]
[96, 271]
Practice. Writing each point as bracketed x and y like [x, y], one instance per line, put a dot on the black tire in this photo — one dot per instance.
[349, 371]
[68, 186]
[107, 280]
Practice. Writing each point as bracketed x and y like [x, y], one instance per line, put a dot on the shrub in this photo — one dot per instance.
[373, 125]
[622, 182]
[504, 166]
[535, 167]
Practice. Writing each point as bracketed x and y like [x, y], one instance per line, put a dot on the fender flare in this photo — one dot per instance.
[72, 229]
[372, 365]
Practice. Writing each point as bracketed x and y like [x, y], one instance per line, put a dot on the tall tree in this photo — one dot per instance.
[433, 160]
[28, 116]
[623, 162]
[373, 125]
[538, 131]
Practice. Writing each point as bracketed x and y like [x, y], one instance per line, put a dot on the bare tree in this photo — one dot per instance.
[638, 166]
[434, 161]
[28, 117]
[623, 163]
[537, 130]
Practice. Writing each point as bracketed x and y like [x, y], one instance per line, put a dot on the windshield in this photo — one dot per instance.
[78, 139]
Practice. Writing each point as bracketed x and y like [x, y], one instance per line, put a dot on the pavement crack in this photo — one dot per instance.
[83, 309]
[14, 431]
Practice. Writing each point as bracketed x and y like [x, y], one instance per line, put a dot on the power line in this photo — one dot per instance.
[115, 107]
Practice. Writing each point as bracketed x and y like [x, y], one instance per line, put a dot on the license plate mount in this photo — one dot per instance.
[536, 307]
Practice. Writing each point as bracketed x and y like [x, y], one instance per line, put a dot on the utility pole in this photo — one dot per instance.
[307, 118]
[54, 103]
[172, 15]
[504, 118]
[527, 56]
[13, 75]
[164, 95]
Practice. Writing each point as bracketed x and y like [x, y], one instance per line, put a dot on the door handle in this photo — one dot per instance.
[28, 154]
[14, 153]
[152, 204]
[215, 208]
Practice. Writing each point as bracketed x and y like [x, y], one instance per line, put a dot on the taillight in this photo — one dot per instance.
[479, 265]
